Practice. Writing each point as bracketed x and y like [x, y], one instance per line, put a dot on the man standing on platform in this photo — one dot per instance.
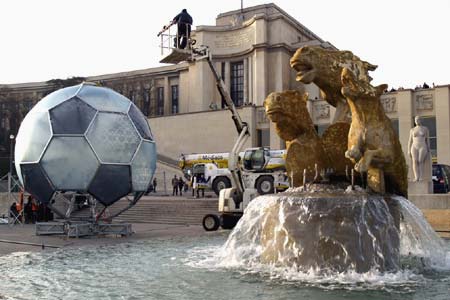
[184, 23]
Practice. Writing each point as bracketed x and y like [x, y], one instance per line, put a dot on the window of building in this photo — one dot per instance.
[175, 107]
[160, 102]
[395, 125]
[146, 106]
[263, 137]
[131, 96]
[430, 123]
[237, 83]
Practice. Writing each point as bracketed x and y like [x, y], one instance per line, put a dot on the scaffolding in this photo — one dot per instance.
[12, 186]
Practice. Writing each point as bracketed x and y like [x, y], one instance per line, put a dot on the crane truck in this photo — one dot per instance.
[262, 168]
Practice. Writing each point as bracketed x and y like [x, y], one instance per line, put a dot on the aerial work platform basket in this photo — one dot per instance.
[176, 56]
[170, 43]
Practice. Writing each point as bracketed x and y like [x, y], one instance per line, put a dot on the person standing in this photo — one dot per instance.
[194, 185]
[154, 185]
[175, 185]
[34, 209]
[180, 185]
[184, 22]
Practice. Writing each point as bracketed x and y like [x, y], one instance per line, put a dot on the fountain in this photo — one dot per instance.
[324, 222]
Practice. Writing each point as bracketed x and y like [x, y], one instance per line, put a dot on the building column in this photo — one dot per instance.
[167, 99]
[246, 80]
[250, 80]
[260, 75]
[442, 108]
[227, 76]
[405, 112]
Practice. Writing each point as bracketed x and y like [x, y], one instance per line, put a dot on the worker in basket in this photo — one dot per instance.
[184, 23]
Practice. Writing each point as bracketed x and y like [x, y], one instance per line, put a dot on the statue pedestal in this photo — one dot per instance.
[420, 187]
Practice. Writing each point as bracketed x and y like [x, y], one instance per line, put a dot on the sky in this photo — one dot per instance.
[48, 39]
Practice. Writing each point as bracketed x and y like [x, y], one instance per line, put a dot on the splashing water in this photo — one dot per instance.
[419, 240]
[421, 250]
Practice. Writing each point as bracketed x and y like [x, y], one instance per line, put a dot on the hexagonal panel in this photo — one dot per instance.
[143, 166]
[70, 163]
[36, 182]
[55, 98]
[140, 122]
[33, 135]
[104, 99]
[111, 183]
[71, 117]
[113, 138]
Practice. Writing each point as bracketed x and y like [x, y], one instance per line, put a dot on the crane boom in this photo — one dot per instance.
[241, 127]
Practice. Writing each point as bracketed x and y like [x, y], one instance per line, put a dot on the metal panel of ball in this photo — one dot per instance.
[113, 138]
[138, 119]
[36, 182]
[143, 166]
[71, 117]
[70, 163]
[111, 182]
[104, 99]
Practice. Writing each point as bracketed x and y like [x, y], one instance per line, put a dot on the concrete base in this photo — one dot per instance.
[436, 209]
[80, 229]
[420, 187]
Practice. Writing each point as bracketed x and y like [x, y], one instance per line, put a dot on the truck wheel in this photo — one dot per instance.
[264, 185]
[228, 222]
[211, 222]
[220, 183]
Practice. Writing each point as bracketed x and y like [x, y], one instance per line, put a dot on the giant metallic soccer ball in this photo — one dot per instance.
[85, 139]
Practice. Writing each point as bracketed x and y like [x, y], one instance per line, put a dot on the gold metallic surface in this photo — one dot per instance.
[287, 110]
[334, 141]
[369, 141]
[372, 142]
[324, 67]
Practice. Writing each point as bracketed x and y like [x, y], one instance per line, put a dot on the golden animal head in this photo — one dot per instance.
[287, 110]
[324, 68]
[354, 89]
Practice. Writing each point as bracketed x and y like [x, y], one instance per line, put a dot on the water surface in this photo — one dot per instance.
[189, 268]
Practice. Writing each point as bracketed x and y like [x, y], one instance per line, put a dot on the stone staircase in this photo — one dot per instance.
[161, 210]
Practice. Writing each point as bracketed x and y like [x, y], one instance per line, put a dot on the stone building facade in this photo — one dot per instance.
[251, 51]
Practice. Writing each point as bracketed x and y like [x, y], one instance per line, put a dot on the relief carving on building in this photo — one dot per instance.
[261, 116]
[321, 111]
[424, 102]
[243, 39]
[389, 104]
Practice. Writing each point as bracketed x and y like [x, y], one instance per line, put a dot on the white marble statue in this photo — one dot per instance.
[418, 148]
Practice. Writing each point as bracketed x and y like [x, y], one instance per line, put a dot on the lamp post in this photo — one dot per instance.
[11, 157]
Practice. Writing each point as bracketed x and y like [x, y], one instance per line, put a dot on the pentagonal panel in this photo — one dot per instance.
[111, 183]
[143, 166]
[113, 138]
[55, 98]
[71, 117]
[36, 182]
[104, 99]
[70, 163]
[140, 122]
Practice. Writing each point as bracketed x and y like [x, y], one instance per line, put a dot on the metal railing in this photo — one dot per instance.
[171, 41]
